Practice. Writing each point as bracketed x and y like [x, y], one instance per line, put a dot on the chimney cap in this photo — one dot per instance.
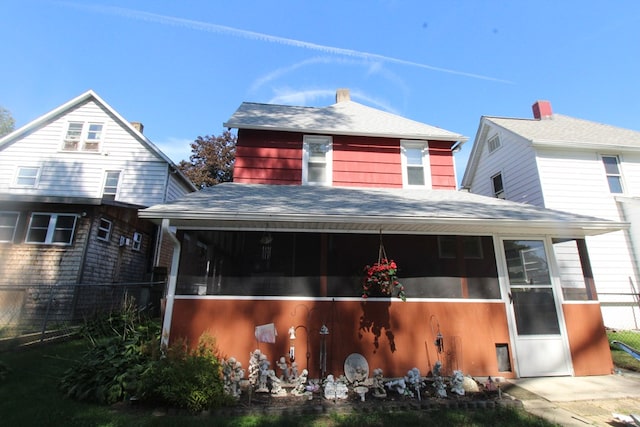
[343, 95]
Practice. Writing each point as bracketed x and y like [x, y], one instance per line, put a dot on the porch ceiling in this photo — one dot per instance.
[233, 206]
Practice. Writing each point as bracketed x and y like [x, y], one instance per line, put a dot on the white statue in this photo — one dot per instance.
[263, 374]
[457, 381]
[399, 386]
[378, 384]
[254, 367]
[438, 383]
[335, 389]
[414, 380]
[284, 369]
[233, 374]
[300, 382]
[293, 373]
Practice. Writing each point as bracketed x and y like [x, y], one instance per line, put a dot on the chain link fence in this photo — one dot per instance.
[36, 313]
[621, 312]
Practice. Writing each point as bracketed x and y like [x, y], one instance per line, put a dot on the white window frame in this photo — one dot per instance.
[22, 177]
[327, 141]
[618, 175]
[106, 178]
[136, 244]
[105, 226]
[498, 194]
[87, 141]
[9, 214]
[51, 228]
[426, 165]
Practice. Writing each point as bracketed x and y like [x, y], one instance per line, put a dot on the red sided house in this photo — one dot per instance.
[319, 194]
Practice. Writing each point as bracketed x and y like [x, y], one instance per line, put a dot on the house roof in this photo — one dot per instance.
[342, 118]
[558, 131]
[235, 206]
[81, 99]
[565, 131]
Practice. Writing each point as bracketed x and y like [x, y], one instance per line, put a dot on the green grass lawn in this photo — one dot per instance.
[29, 396]
[621, 358]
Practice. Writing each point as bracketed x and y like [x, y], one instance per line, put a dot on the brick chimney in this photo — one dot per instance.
[138, 126]
[542, 110]
[342, 95]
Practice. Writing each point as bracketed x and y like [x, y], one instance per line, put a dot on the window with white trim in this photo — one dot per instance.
[111, 180]
[51, 228]
[415, 164]
[614, 176]
[137, 241]
[83, 136]
[498, 186]
[27, 176]
[8, 226]
[104, 230]
[317, 160]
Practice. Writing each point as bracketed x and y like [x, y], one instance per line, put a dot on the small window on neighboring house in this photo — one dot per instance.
[137, 241]
[614, 176]
[51, 229]
[27, 176]
[494, 143]
[104, 230]
[111, 181]
[8, 226]
[415, 170]
[82, 136]
[317, 158]
[498, 186]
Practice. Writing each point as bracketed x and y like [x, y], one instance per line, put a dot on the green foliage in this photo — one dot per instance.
[120, 346]
[186, 378]
[7, 122]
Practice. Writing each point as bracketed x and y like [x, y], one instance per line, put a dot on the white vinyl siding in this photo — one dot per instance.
[519, 178]
[76, 174]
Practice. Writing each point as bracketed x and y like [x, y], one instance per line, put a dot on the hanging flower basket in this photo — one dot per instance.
[380, 279]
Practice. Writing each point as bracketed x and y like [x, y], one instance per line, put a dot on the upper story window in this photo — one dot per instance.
[83, 136]
[415, 164]
[51, 228]
[317, 160]
[111, 180]
[137, 241]
[8, 226]
[614, 176]
[27, 176]
[494, 143]
[498, 186]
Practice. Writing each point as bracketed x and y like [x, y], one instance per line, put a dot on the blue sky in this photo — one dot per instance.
[183, 67]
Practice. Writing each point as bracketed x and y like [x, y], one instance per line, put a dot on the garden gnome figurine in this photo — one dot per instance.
[457, 380]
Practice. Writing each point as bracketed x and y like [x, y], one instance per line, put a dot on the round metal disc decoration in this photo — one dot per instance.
[356, 368]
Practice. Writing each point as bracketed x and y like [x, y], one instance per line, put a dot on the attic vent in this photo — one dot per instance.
[494, 143]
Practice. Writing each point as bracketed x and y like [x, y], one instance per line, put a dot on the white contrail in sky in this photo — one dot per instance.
[222, 29]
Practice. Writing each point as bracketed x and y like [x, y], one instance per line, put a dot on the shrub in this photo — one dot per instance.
[186, 378]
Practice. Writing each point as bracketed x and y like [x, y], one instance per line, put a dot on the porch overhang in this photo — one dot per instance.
[356, 210]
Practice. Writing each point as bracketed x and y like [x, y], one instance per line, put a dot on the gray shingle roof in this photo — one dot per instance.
[234, 205]
[567, 131]
[342, 118]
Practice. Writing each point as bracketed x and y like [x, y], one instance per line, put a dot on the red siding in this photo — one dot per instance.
[442, 171]
[366, 162]
[268, 157]
[395, 336]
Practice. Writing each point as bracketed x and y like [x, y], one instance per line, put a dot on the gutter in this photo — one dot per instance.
[171, 288]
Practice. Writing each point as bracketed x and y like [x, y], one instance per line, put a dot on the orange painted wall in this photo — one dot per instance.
[587, 339]
[366, 162]
[441, 160]
[395, 336]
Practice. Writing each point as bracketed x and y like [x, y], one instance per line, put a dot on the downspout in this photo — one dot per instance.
[171, 287]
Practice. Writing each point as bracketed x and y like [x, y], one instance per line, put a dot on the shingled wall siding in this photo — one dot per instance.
[442, 169]
[366, 162]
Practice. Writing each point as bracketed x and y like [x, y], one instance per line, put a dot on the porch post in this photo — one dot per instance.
[171, 288]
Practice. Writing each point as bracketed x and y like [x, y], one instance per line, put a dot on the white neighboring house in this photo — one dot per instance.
[573, 165]
[71, 184]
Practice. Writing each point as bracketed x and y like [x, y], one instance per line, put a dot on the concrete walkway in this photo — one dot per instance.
[579, 401]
